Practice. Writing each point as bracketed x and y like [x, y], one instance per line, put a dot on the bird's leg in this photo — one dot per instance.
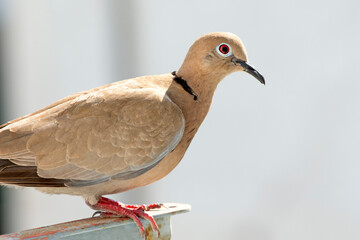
[111, 208]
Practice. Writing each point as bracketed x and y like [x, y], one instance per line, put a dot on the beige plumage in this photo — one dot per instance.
[123, 135]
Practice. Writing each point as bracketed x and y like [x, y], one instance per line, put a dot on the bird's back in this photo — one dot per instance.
[116, 131]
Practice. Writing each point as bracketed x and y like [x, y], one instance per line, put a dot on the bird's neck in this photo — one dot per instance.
[203, 83]
[193, 94]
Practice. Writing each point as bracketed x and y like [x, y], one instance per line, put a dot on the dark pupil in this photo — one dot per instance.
[224, 49]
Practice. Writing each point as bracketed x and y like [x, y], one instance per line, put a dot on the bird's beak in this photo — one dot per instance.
[249, 69]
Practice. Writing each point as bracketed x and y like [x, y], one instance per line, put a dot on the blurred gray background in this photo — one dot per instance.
[279, 161]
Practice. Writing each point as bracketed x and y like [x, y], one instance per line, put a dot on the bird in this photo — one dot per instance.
[120, 136]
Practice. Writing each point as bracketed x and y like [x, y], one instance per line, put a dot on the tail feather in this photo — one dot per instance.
[25, 176]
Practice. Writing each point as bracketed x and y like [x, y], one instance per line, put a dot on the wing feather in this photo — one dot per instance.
[115, 131]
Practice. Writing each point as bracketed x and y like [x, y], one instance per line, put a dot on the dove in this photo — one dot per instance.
[120, 136]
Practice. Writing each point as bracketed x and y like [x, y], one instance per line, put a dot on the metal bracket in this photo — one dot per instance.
[105, 228]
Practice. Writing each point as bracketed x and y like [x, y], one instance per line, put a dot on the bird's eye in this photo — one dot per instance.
[224, 50]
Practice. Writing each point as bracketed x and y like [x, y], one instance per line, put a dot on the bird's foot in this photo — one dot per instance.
[111, 208]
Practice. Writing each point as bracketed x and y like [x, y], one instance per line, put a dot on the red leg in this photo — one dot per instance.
[144, 207]
[110, 208]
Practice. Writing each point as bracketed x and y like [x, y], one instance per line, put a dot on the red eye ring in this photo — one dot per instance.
[224, 49]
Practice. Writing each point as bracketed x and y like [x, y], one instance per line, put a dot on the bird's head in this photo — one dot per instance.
[216, 55]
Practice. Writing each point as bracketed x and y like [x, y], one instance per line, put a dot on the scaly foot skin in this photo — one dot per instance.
[111, 208]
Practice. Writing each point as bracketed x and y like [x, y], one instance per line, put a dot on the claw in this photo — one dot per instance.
[144, 207]
[109, 208]
[151, 220]
[95, 213]
[104, 214]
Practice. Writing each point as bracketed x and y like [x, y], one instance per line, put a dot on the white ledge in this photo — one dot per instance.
[97, 228]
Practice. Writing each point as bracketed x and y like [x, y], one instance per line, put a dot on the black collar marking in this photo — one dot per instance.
[184, 85]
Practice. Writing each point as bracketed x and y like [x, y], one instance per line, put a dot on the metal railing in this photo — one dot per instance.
[97, 228]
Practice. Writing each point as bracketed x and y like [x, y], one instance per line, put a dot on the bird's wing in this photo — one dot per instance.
[116, 132]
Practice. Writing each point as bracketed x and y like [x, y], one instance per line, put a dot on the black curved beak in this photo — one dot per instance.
[249, 69]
